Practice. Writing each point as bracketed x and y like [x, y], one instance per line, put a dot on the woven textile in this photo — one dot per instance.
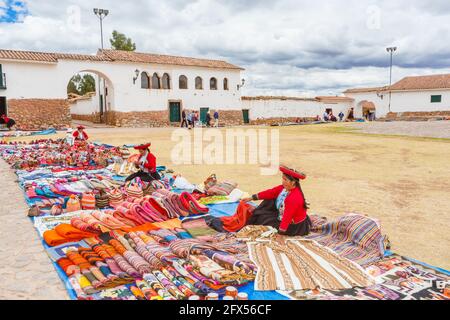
[397, 278]
[303, 264]
[352, 236]
[198, 228]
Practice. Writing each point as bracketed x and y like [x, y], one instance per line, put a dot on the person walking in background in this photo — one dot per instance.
[341, 116]
[189, 119]
[216, 119]
[208, 119]
[325, 117]
[183, 119]
[196, 118]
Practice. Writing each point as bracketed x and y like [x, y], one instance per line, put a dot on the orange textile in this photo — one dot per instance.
[53, 239]
[71, 233]
[145, 227]
[169, 224]
[118, 246]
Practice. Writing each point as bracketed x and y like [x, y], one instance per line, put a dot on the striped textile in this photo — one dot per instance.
[352, 236]
[301, 265]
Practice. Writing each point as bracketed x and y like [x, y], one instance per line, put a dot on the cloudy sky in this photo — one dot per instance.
[288, 47]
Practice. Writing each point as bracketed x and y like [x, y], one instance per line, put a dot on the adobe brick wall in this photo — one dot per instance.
[94, 117]
[271, 121]
[138, 119]
[161, 118]
[418, 116]
[39, 114]
[229, 117]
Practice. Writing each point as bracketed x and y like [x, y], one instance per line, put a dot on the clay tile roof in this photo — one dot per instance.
[28, 55]
[363, 90]
[440, 81]
[127, 56]
[367, 105]
[45, 56]
[333, 99]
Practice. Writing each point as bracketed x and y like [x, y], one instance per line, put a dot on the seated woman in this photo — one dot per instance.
[146, 164]
[8, 121]
[284, 207]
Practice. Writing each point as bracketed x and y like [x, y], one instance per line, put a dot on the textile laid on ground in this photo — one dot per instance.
[139, 240]
[233, 223]
[256, 232]
[352, 236]
[303, 264]
[397, 278]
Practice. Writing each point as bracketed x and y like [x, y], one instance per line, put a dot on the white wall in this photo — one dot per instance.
[49, 81]
[85, 106]
[277, 108]
[402, 101]
[381, 103]
[419, 101]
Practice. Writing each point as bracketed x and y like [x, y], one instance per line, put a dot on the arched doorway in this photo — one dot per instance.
[91, 96]
[368, 110]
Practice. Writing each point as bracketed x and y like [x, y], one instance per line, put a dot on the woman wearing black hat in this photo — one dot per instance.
[284, 207]
[146, 164]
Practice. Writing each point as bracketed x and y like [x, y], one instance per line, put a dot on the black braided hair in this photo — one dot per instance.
[297, 184]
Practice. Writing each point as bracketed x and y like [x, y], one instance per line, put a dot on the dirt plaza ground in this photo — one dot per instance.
[401, 180]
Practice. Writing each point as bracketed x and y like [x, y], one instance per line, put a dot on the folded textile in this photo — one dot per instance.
[198, 228]
[352, 236]
[69, 232]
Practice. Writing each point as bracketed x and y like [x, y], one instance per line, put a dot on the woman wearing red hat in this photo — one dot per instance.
[146, 164]
[80, 135]
[284, 207]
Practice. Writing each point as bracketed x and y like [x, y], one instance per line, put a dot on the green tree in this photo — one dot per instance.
[74, 85]
[119, 41]
[87, 84]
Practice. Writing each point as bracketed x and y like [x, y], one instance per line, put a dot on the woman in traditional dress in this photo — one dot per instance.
[284, 207]
[80, 134]
[146, 164]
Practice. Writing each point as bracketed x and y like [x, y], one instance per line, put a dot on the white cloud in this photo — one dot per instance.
[287, 46]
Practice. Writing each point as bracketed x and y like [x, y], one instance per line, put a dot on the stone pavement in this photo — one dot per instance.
[26, 271]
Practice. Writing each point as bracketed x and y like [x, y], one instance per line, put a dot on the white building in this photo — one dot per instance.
[139, 89]
[411, 95]
[264, 108]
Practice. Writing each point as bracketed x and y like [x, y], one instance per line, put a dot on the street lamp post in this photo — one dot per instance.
[390, 50]
[101, 14]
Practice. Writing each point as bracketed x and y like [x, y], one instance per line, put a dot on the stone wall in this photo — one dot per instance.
[94, 117]
[161, 118]
[230, 117]
[418, 116]
[138, 119]
[273, 121]
[39, 114]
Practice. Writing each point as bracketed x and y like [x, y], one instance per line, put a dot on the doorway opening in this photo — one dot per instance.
[3, 107]
[246, 115]
[174, 111]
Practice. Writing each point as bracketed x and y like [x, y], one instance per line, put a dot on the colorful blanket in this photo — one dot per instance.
[397, 278]
[352, 236]
[303, 264]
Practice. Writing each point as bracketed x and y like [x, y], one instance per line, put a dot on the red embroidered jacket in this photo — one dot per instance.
[76, 135]
[150, 163]
[294, 206]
